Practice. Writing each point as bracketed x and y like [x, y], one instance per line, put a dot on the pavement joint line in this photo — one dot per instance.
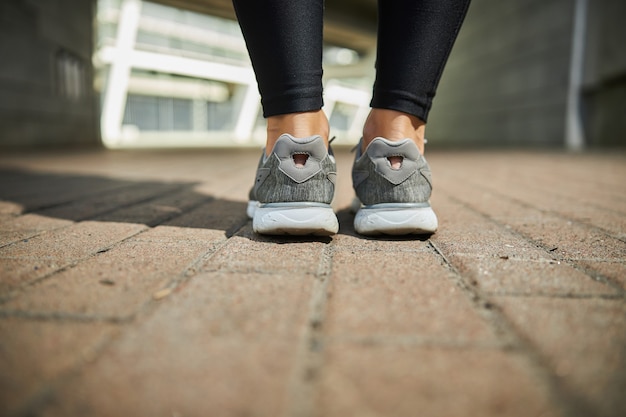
[591, 273]
[64, 317]
[67, 266]
[34, 234]
[38, 234]
[192, 269]
[259, 271]
[518, 258]
[598, 276]
[416, 341]
[479, 301]
[310, 357]
[539, 260]
[567, 401]
[605, 260]
[563, 296]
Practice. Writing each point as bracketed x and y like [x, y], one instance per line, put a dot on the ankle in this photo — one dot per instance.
[393, 125]
[299, 125]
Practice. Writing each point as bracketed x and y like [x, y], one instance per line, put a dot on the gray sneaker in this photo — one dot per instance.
[294, 198]
[392, 200]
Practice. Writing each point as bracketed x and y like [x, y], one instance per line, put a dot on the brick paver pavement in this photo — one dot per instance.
[131, 284]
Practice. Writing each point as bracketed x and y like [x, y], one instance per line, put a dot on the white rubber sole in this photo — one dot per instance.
[390, 219]
[252, 206]
[294, 219]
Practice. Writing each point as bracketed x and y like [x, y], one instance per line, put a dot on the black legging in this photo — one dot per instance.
[284, 39]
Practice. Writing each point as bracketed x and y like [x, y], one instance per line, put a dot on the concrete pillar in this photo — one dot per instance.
[604, 84]
[117, 84]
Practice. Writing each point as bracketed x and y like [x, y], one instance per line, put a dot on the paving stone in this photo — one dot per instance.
[74, 242]
[555, 175]
[562, 239]
[249, 253]
[485, 240]
[30, 259]
[27, 226]
[33, 354]
[225, 345]
[576, 198]
[225, 215]
[116, 283]
[180, 234]
[584, 342]
[612, 222]
[106, 201]
[383, 295]
[522, 276]
[8, 237]
[394, 381]
[168, 205]
[566, 238]
[463, 231]
[570, 240]
[498, 260]
[15, 272]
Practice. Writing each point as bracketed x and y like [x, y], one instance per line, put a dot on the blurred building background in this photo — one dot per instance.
[172, 77]
[132, 73]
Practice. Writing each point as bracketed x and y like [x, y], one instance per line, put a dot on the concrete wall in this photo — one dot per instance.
[46, 92]
[507, 77]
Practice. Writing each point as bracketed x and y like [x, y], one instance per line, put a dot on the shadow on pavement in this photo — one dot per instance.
[88, 197]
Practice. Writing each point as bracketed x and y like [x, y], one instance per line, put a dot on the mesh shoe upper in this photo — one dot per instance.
[280, 180]
[375, 181]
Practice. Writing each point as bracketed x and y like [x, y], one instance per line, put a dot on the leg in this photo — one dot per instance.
[391, 178]
[414, 41]
[295, 179]
[284, 39]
